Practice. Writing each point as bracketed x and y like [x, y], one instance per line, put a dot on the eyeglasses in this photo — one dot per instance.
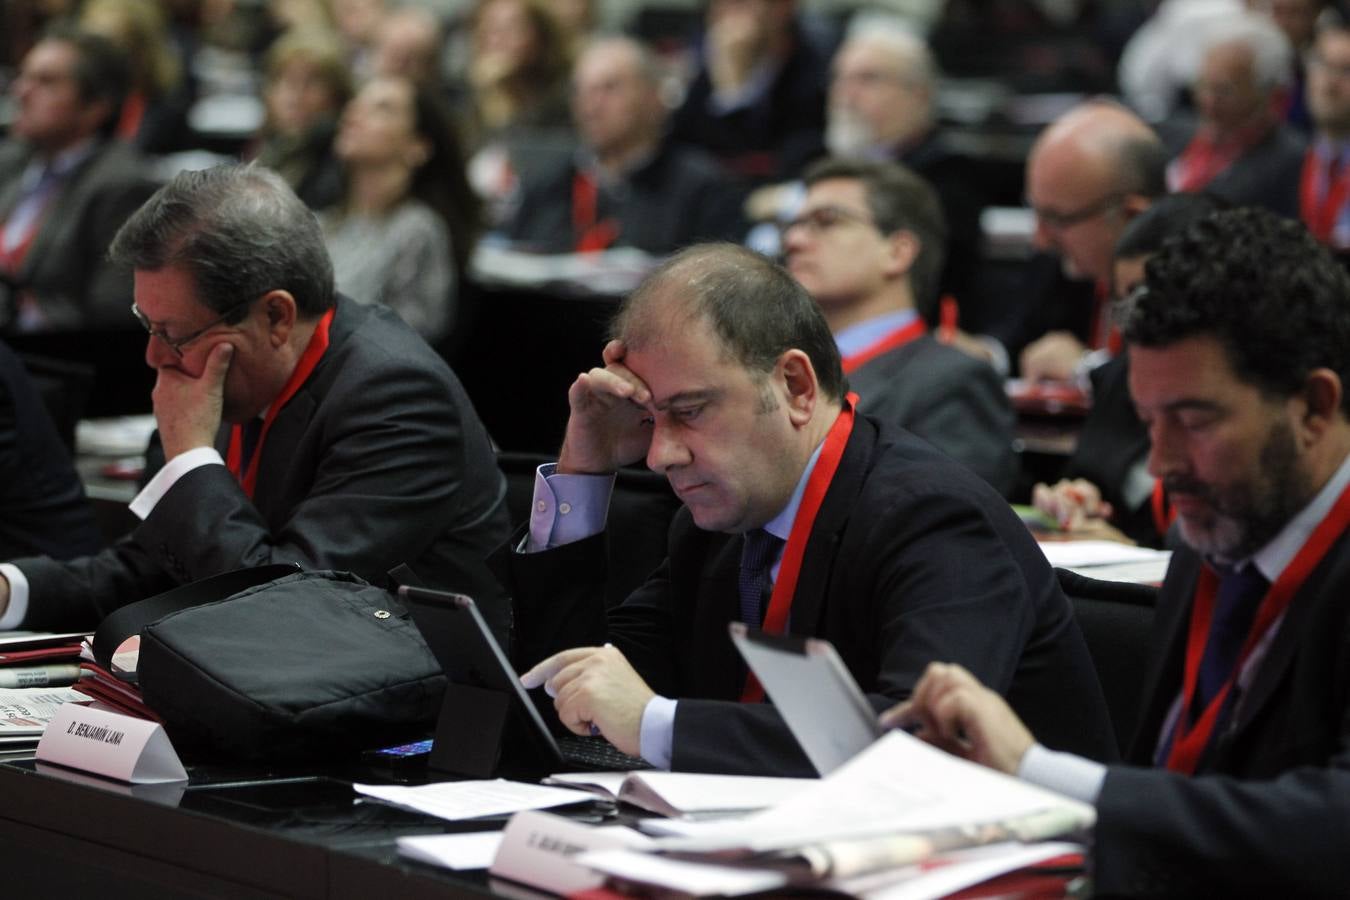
[177, 344]
[823, 218]
[1058, 221]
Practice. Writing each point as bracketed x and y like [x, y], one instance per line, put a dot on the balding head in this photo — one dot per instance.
[1089, 173]
[616, 99]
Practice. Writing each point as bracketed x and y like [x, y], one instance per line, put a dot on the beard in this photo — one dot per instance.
[847, 135]
[1244, 516]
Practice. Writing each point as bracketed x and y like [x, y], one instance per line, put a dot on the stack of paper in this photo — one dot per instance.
[686, 795]
[31, 660]
[881, 819]
[1108, 560]
[24, 714]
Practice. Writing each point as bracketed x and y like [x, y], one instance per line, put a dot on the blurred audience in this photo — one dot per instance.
[306, 85]
[154, 113]
[625, 186]
[407, 221]
[1324, 195]
[757, 100]
[1238, 148]
[66, 186]
[408, 44]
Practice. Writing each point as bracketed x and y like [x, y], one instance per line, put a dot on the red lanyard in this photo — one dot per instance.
[1189, 741]
[897, 338]
[591, 235]
[1163, 513]
[318, 343]
[1320, 217]
[780, 602]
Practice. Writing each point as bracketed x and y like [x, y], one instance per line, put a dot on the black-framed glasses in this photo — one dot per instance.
[823, 218]
[177, 344]
[1058, 221]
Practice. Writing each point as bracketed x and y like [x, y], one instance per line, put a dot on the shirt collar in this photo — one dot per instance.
[861, 335]
[780, 526]
[1272, 559]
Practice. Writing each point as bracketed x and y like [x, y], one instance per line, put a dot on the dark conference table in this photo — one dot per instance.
[229, 833]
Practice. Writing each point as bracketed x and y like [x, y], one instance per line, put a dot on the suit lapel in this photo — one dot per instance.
[818, 563]
[1162, 678]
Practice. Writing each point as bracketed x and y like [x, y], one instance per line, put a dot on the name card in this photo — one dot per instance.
[110, 744]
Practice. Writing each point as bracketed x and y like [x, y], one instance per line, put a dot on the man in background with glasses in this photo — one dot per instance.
[297, 426]
[868, 247]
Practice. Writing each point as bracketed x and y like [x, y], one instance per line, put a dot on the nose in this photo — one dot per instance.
[1043, 237]
[1164, 455]
[666, 450]
[157, 354]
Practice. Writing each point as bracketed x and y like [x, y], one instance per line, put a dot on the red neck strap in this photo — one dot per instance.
[780, 603]
[1321, 197]
[591, 234]
[892, 339]
[1189, 741]
[318, 344]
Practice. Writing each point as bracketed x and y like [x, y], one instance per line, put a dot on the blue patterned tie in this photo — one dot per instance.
[757, 558]
[1240, 594]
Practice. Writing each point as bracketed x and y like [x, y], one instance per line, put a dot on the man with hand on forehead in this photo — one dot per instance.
[800, 515]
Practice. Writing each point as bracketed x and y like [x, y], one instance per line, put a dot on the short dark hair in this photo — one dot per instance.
[899, 200]
[239, 231]
[1262, 286]
[754, 306]
[1165, 217]
[102, 71]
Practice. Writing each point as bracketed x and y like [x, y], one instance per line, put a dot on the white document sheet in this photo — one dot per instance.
[471, 850]
[457, 800]
[1085, 554]
[688, 794]
[899, 784]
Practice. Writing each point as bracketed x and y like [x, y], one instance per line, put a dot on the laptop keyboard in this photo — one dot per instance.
[597, 754]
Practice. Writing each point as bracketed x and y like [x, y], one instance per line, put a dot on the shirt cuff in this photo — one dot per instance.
[656, 734]
[566, 508]
[1063, 773]
[168, 476]
[18, 598]
[1088, 363]
[998, 354]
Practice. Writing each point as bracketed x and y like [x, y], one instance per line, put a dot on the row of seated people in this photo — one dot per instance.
[297, 425]
[403, 220]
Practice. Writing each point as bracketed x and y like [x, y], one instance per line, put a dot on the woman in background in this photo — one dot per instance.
[407, 221]
[305, 86]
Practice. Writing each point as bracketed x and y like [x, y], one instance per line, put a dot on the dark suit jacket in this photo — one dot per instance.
[1266, 175]
[378, 459]
[1269, 810]
[949, 399]
[66, 266]
[678, 197]
[912, 559]
[1111, 443]
[42, 504]
[778, 133]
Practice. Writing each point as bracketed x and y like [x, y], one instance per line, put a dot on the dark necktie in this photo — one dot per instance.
[757, 557]
[1240, 594]
[248, 442]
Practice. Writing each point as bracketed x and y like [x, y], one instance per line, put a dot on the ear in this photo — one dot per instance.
[282, 312]
[1134, 204]
[902, 250]
[1319, 404]
[796, 379]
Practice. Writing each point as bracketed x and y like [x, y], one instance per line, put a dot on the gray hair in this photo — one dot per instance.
[1272, 56]
[239, 231]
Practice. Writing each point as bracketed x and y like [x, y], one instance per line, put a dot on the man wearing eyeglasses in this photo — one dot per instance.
[1089, 173]
[297, 426]
[868, 247]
